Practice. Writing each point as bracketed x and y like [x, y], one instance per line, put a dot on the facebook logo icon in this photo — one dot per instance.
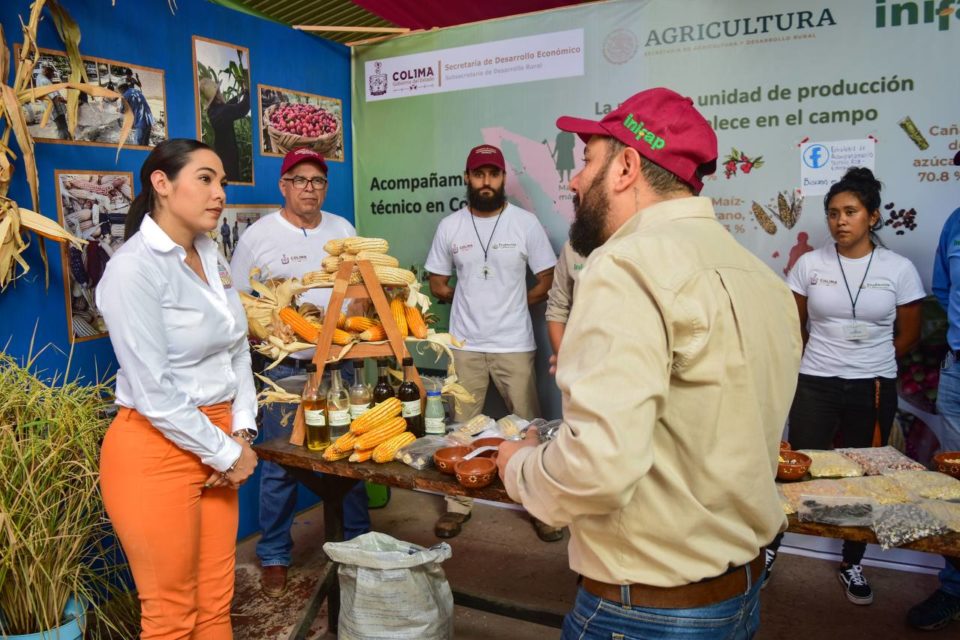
[816, 156]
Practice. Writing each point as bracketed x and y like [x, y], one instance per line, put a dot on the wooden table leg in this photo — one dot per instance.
[332, 490]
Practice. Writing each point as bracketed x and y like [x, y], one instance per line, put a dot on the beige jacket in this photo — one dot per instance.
[565, 275]
[678, 368]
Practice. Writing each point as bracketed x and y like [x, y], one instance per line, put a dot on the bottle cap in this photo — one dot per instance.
[433, 393]
[407, 361]
[311, 367]
[333, 365]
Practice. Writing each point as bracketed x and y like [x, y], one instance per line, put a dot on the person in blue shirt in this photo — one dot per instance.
[943, 605]
[142, 115]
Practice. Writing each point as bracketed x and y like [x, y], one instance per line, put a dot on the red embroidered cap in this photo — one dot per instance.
[302, 154]
[485, 154]
[663, 126]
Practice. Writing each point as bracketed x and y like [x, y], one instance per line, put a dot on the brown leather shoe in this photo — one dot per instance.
[547, 533]
[450, 524]
[273, 580]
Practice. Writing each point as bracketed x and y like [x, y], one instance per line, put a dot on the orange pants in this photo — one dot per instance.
[179, 538]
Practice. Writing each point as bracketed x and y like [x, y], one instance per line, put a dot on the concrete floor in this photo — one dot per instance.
[499, 554]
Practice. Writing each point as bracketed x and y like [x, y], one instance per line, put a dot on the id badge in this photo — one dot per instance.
[854, 330]
[485, 273]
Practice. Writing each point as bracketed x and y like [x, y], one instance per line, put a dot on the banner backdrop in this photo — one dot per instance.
[796, 91]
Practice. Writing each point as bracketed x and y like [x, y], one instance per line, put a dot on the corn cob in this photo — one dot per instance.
[474, 425]
[361, 455]
[399, 316]
[341, 337]
[376, 416]
[299, 324]
[344, 443]
[358, 323]
[334, 247]
[381, 259]
[342, 321]
[415, 323]
[357, 244]
[332, 455]
[387, 451]
[330, 264]
[394, 276]
[382, 433]
[375, 333]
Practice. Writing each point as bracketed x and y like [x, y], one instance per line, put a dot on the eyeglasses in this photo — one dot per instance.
[300, 182]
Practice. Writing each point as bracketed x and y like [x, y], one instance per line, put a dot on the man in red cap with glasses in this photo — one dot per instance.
[287, 244]
[678, 368]
[490, 244]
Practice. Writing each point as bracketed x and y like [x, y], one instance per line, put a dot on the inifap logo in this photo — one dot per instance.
[641, 133]
[897, 14]
[816, 156]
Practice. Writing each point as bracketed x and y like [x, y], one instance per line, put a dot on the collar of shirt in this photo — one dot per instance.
[667, 211]
[157, 240]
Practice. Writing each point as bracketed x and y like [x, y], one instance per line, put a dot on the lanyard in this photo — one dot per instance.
[853, 300]
[489, 240]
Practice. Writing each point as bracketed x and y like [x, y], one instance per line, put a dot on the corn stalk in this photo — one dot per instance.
[15, 221]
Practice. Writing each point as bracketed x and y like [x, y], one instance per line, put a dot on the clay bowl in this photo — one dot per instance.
[785, 446]
[948, 462]
[794, 466]
[448, 456]
[487, 442]
[476, 473]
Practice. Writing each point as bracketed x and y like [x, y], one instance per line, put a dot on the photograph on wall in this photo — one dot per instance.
[92, 205]
[234, 220]
[99, 119]
[291, 119]
[222, 86]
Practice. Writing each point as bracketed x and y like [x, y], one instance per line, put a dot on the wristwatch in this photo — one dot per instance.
[247, 434]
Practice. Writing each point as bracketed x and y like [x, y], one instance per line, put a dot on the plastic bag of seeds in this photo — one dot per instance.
[932, 485]
[842, 511]
[792, 492]
[900, 524]
[877, 460]
[948, 512]
[830, 464]
[880, 489]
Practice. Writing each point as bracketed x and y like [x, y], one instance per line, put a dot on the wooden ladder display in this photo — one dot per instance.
[369, 289]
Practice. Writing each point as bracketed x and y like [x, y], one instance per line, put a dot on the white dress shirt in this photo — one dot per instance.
[181, 343]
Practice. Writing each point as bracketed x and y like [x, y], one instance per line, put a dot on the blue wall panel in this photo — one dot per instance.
[144, 32]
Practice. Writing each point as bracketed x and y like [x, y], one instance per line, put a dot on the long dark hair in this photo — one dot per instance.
[170, 156]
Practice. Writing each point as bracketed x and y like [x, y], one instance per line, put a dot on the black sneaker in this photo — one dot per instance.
[935, 612]
[769, 558]
[857, 588]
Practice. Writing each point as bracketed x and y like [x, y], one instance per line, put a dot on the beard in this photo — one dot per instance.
[589, 228]
[486, 204]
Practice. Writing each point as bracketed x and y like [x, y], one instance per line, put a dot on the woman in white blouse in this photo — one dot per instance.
[859, 308]
[180, 445]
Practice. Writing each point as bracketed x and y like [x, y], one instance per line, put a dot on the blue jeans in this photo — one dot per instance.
[594, 618]
[278, 491]
[948, 406]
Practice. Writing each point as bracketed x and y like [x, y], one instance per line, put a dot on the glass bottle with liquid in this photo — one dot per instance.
[338, 403]
[314, 401]
[409, 396]
[383, 390]
[360, 393]
[433, 415]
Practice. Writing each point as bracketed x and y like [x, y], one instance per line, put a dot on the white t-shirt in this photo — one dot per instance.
[891, 281]
[282, 250]
[490, 304]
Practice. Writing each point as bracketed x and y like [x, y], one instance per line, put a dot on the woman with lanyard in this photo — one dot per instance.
[859, 306]
[179, 447]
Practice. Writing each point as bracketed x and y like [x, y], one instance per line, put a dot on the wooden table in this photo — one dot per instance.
[339, 477]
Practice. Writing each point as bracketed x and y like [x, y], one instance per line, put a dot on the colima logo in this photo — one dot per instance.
[896, 14]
